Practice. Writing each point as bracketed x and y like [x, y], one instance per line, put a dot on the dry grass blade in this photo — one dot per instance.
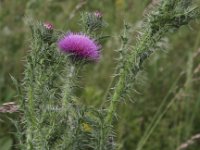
[151, 6]
[197, 53]
[78, 7]
[189, 142]
[9, 107]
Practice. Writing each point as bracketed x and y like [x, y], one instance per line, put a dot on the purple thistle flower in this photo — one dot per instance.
[98, 14]
[48, 26]
[80, 45]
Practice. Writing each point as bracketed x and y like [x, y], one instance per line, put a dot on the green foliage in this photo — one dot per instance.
[6, 143]
[170, 15]
[165, 109]
[53, 118]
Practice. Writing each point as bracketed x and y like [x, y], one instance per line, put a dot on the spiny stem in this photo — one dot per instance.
[115, 98]
[123, 75]
[67, 87]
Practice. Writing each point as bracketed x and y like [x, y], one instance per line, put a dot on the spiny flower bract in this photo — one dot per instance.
[80, 46]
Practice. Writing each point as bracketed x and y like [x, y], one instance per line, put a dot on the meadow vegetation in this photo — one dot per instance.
[160, 111]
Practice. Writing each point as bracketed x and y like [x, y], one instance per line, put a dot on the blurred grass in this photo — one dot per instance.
[176, 126]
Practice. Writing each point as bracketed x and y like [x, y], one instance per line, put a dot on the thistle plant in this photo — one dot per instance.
[53, 117]
[169, 16]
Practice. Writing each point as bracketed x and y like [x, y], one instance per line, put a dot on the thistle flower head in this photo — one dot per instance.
[98, 14]
[48, 26]
[80, 46]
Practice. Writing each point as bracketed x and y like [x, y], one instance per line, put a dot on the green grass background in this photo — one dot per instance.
[156, 85]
